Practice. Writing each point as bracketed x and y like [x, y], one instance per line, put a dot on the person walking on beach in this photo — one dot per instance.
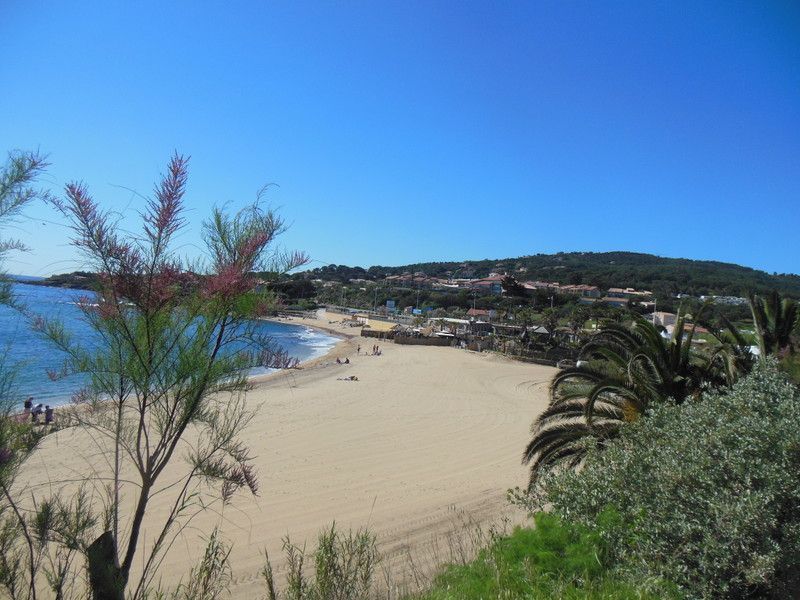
[358, 350]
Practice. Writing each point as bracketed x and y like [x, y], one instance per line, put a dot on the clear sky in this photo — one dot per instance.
[414, 131]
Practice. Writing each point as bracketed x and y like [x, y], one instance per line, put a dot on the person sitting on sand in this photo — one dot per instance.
[37, 410]
[338, 361]
[347, 361]
[48, 415]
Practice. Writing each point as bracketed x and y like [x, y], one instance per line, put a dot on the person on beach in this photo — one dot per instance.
[37, 410]
[338, 361]
[48, 415]
[26, 409]
[358, 350]
[347, 361]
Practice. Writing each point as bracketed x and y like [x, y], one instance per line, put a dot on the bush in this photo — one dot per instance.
[553, 560]
[707, 492]
[344, 566]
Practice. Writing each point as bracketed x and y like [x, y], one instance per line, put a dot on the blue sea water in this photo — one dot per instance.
[31, 355]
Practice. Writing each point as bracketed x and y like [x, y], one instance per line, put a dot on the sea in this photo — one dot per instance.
[29, 356]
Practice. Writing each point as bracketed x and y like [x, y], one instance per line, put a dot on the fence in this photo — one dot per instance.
[423, 341]
[381, 335]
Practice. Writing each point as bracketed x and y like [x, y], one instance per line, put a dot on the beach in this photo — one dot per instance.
[426, 439]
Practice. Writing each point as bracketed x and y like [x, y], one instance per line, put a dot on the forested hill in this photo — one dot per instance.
[604, 269]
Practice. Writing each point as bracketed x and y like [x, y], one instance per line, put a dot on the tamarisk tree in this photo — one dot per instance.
[167, 369]
[42, 542]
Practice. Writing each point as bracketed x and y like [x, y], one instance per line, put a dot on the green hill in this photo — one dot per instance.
[665, 276]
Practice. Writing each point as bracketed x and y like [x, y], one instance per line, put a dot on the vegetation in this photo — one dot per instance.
[664, 276]
[344, 568]
[39, 544]
[17, 177]
[554, 559]
[775, 319]
[624, 369]
[706, 492]
[169, 368]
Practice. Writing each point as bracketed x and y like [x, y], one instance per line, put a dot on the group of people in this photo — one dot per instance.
[376, 351]
[37, 411]
[339, 361]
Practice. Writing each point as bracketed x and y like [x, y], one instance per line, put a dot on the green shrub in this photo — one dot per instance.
[553, 560]
[708, 493]
[344, 566]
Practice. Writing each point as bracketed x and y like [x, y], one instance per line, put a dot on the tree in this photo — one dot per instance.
[621, 371]
[774, 319]
[169, 372]
[577, 317]
[512, 287]
[16, 192]
[27, 536]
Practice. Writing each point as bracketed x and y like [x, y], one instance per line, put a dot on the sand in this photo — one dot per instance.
[427, 437]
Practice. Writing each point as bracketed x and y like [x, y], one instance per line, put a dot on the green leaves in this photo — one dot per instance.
[624, 370]
[706, 492]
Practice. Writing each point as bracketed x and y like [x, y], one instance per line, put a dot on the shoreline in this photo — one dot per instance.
[344, 348]
[425, 441]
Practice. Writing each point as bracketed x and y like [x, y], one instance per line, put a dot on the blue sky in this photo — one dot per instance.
[414, 131]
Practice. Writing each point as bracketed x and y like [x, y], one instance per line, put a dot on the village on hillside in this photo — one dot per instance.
[551, 333]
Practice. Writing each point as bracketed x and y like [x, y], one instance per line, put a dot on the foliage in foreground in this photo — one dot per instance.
[167, 377]
[344, 567]
[707, 492]
[623, 370]
[553, 560]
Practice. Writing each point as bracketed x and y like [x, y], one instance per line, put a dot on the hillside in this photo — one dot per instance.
[665, 276]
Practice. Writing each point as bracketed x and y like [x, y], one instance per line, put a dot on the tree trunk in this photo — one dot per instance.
[105, 576]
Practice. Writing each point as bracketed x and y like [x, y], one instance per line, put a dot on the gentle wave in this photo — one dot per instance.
[32, 356]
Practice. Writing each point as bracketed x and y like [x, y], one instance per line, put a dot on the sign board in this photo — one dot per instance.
[390, 304]
[417, 311]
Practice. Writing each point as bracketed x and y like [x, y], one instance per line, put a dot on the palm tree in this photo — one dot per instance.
[774, 319]
[622, 370]
[731, 358]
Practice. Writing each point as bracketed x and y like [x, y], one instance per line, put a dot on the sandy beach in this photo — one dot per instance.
[426, 438]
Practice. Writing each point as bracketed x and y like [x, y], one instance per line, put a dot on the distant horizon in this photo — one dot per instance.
[466, 260]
